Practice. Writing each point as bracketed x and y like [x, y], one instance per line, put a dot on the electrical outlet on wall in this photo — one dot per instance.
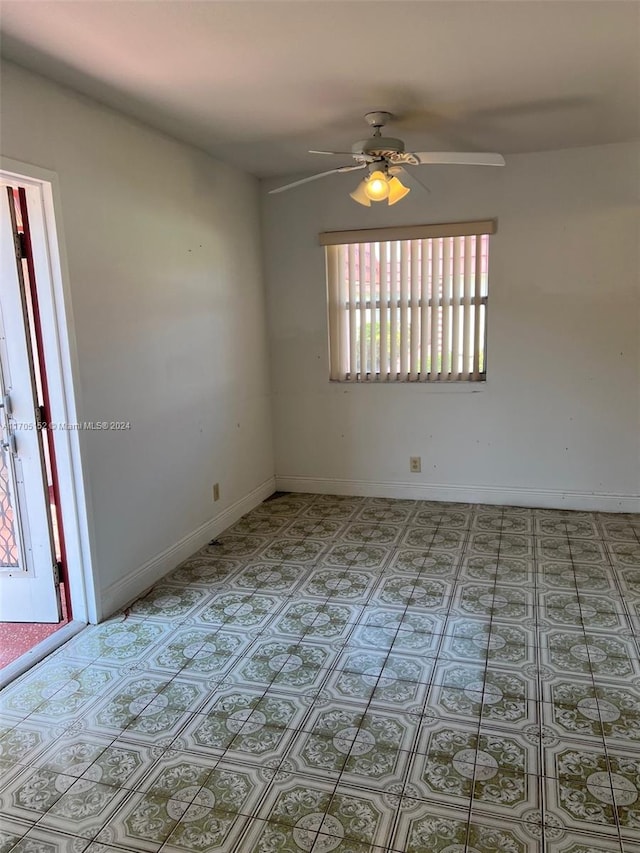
[216, 491]
[415, 464]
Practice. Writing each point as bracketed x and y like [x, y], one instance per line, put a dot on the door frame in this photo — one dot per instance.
[29, 589]
[60, 355]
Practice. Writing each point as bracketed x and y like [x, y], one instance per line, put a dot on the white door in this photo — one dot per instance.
[29, 589]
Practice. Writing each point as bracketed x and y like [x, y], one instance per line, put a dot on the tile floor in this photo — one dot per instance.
[348, 674]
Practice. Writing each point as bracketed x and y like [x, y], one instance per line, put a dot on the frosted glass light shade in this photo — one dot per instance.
[360, 195]
[377, 186]
[397, 190]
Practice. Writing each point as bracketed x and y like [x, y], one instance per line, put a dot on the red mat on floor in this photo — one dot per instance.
[16, 638]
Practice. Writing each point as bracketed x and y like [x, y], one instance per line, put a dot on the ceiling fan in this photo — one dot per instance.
[385, 158]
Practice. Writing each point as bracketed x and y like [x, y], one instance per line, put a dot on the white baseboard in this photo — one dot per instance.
[501, 495]
[123, 592]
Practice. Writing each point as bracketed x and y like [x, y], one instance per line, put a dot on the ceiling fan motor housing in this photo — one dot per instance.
[382, 148]
[378, 146]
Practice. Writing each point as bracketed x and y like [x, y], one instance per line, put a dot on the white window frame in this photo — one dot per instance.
[413, 343]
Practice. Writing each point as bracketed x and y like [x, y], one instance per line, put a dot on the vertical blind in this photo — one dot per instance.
[408, 305]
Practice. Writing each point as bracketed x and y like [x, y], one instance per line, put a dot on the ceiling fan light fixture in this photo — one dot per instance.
[377, 186]
[385, 157]
[397, 190]
[360, 195]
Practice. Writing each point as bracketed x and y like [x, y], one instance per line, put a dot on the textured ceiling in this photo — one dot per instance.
[258, 83]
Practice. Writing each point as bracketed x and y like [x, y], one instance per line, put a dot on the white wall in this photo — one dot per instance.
[558, 421]
[164, 256]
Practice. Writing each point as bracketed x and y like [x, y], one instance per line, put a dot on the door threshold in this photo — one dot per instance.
[40, 651]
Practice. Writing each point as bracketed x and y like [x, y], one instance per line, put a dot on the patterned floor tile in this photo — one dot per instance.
[178, 775]
[474, 641]
[298, 813]
[237, 545]
[364, 675]
[78, 694]
[257, 525]
[363, 749]
[387, 686]
[501, 698]
[560, 574]
[584, 653]
[385, 514]
[505, 544]
[573, 842]
[587, 709]
[406, 590]
[84, 808]
[383, 669]
[456, 765]
[24, 745]
[499, 522]
[143, 823]
[450, 519]
[440, 830]
[239, 610]
[205, 570]
[11, 831]
[8, 771]
[27, 693]
[303, 551]
[630, 579]
[582, 610]
[198, 651]
[588, 787]
[315, 528]
[498, 569]
[363, 556]
[119, 641]
[371, 533]
[339, 584]
[338, 510]
[435, 539]
[410, 632]
[251, 726]
[288, 664]
[571, 549]
[287, 505]
[579, 528]
[624, 526]
[205, 830]
[425, 561]
[70, 757]
[573, 713]
[319, 621]
[169, 601]
[503, 602]
[40, 840]
[33, 792]
[625, 553]
[276, 577]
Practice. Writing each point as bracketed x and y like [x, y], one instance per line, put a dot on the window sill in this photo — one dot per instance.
[430, 387]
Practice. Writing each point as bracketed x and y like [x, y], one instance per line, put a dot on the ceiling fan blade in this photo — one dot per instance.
[315, 177]
[341, 153]
[458, 158]
[411, 176]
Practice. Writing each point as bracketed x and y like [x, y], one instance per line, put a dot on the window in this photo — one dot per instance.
[408, 304]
